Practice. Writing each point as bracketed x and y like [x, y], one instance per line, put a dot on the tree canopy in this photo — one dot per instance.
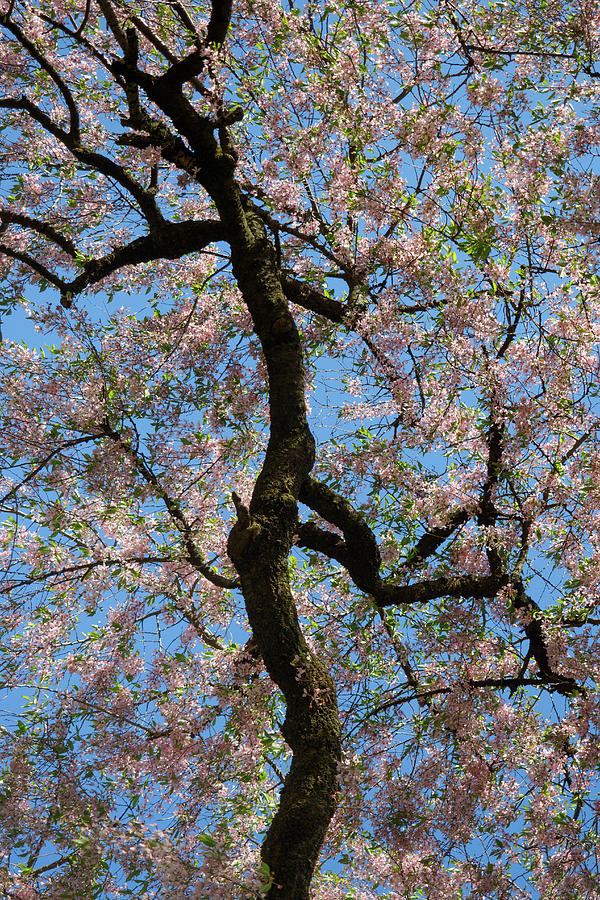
[301, 483]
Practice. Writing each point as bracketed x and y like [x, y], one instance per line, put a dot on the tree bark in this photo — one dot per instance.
[259, 546]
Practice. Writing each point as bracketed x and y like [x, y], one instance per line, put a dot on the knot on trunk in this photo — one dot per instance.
[244, 532]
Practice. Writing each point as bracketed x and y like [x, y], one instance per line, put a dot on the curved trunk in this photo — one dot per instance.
[259, 546]
[261, 539]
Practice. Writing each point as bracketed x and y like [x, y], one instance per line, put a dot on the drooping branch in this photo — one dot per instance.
[30, 47]
[172, 505]
[8, 217]
[34, 264]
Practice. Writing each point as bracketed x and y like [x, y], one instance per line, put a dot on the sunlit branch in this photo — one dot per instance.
[112, 22]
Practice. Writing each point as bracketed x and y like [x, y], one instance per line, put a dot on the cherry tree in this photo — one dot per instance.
[301, 487]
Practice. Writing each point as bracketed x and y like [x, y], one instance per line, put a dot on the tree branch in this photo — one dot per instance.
[443, 586]
[511, 684]
[33, 51]
[361, 550]
[309, 297]
[7, 217]
[44, 462]
[144, 198]
[192, 65]
[33, 263]
[171, 241]
[359, 554]
[173, 508]
[433, 538]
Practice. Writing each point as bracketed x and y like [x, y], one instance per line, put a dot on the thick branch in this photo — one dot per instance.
[308, 297]
[444, 586]
[359, 559]
[171, 241]
[531, 615]
[359, 554]
[220, 17]
[325, 542]
[361, 546]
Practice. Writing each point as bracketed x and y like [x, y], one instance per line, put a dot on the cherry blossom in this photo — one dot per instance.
[299, 478]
